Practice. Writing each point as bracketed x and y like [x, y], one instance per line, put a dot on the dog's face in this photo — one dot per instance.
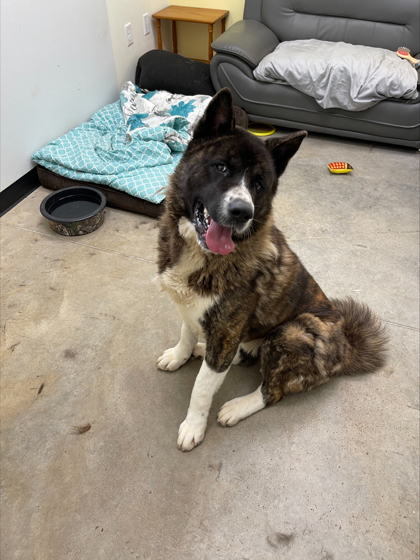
[228, 177]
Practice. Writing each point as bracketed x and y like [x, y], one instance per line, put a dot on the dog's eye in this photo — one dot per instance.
[221, 167]
[258, 185]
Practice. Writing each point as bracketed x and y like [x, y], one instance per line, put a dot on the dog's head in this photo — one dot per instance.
[228, 177]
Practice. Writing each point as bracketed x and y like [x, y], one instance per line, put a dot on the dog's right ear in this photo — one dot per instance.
[218, 118]
[284, 148]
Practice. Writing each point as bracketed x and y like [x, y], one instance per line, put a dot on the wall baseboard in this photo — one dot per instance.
[17, 191]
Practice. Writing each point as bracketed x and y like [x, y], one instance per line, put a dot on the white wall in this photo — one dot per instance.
[57, 69]
[121, 12]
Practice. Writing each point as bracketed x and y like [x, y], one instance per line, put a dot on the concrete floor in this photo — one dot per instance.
[326, 475]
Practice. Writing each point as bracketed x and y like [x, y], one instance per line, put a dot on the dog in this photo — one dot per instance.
[239, 286]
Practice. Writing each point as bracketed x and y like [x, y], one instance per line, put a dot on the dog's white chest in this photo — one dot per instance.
[191, 306]
[175, 281]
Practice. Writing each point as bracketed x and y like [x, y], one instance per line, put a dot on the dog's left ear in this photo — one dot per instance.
[218, 118]
[283, 149]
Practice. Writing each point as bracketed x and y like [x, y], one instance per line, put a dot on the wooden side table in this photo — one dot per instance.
[194, 15]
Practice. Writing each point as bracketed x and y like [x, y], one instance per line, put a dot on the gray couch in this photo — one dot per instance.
[387, 24]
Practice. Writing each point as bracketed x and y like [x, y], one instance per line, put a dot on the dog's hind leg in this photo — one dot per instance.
[290, 363]
[173, 358]
[294, 357]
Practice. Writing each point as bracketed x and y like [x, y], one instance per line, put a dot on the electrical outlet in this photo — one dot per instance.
[146, 24]
[128, 34]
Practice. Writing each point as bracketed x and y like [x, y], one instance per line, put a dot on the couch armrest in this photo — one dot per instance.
[248, 40]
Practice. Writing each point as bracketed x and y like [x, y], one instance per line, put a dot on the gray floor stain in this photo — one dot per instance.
[276, 540]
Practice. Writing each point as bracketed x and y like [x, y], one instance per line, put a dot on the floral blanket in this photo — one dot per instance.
[132, 145]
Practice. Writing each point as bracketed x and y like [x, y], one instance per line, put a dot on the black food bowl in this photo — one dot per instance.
[74, 210]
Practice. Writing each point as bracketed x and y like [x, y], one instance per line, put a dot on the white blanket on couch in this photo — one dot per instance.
[339, 75]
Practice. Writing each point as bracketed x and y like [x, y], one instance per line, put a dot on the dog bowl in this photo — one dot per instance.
[74, 210]
[261, 129]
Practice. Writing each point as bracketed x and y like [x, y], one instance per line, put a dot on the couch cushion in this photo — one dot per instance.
[377, 23]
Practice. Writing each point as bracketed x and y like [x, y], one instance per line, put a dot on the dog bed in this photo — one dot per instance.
[132, 145]
[114, 198]
[128, 149]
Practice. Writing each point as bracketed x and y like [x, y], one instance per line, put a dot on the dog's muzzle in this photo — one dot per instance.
[216, 236]
[237, 208]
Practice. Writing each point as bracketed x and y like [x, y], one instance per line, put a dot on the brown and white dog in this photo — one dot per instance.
[240, 287]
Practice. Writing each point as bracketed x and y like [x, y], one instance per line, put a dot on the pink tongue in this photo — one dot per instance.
[219, 239]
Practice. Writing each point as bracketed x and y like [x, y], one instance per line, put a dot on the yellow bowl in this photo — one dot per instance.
[261, 129]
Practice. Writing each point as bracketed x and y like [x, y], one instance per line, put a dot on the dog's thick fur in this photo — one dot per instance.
[259, 299]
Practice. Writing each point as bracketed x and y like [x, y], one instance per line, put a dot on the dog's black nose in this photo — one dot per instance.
[240, 210]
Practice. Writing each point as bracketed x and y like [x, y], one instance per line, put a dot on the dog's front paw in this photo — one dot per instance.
[190, 435]
[171, 360]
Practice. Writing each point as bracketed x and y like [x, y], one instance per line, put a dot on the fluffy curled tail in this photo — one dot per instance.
[367, 337]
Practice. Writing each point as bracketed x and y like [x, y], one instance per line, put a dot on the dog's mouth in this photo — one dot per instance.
[211, 235]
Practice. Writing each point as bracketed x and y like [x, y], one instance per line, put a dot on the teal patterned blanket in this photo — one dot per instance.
[132, 145]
